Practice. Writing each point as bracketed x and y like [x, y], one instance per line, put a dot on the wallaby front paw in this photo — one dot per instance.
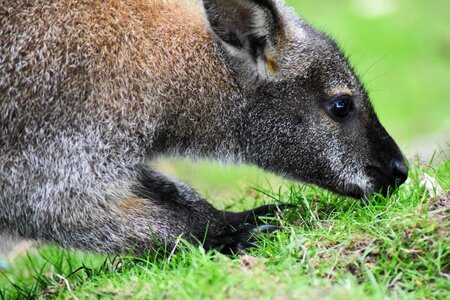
[243, 229]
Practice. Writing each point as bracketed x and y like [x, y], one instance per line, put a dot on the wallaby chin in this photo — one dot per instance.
[91, 90]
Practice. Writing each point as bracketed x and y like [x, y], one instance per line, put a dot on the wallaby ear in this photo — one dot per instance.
[248, 29]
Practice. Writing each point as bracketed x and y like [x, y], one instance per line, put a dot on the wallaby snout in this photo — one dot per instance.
[399, 170]
[388, 177]
[386, 166]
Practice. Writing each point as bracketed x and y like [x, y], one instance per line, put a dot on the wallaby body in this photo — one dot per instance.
[91, 90]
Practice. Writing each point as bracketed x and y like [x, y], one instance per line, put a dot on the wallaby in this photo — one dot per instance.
[90, 91]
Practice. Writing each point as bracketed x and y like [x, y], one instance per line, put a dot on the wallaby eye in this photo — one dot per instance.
[339, 107]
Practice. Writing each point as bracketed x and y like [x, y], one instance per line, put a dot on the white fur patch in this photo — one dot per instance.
[344, 171]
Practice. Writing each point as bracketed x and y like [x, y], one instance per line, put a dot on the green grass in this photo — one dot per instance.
[330, 247]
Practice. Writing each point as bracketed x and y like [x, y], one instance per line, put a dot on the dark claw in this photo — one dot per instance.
[264, 229]
[249, 245]
[253, 216]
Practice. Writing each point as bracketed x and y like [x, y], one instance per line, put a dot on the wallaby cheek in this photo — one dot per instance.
[330, 158]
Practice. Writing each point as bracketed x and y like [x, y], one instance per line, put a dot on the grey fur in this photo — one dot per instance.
[90, 90]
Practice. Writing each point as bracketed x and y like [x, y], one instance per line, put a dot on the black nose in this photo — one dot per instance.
[399, 171]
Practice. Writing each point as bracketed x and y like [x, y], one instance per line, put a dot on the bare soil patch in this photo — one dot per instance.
[440, 207]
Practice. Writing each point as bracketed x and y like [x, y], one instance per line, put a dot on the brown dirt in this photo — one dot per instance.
[249, 262]
[440, 207]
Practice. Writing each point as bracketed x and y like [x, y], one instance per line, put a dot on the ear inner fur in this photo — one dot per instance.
[250, 29]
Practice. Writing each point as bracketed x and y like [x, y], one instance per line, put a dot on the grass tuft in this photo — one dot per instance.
[330, 247]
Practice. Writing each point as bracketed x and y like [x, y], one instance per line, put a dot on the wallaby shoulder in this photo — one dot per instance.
[136, 65]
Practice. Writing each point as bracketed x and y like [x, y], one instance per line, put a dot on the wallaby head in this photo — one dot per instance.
[306, 116]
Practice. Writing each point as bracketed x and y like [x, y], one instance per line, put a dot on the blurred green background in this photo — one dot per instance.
[400, 49]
